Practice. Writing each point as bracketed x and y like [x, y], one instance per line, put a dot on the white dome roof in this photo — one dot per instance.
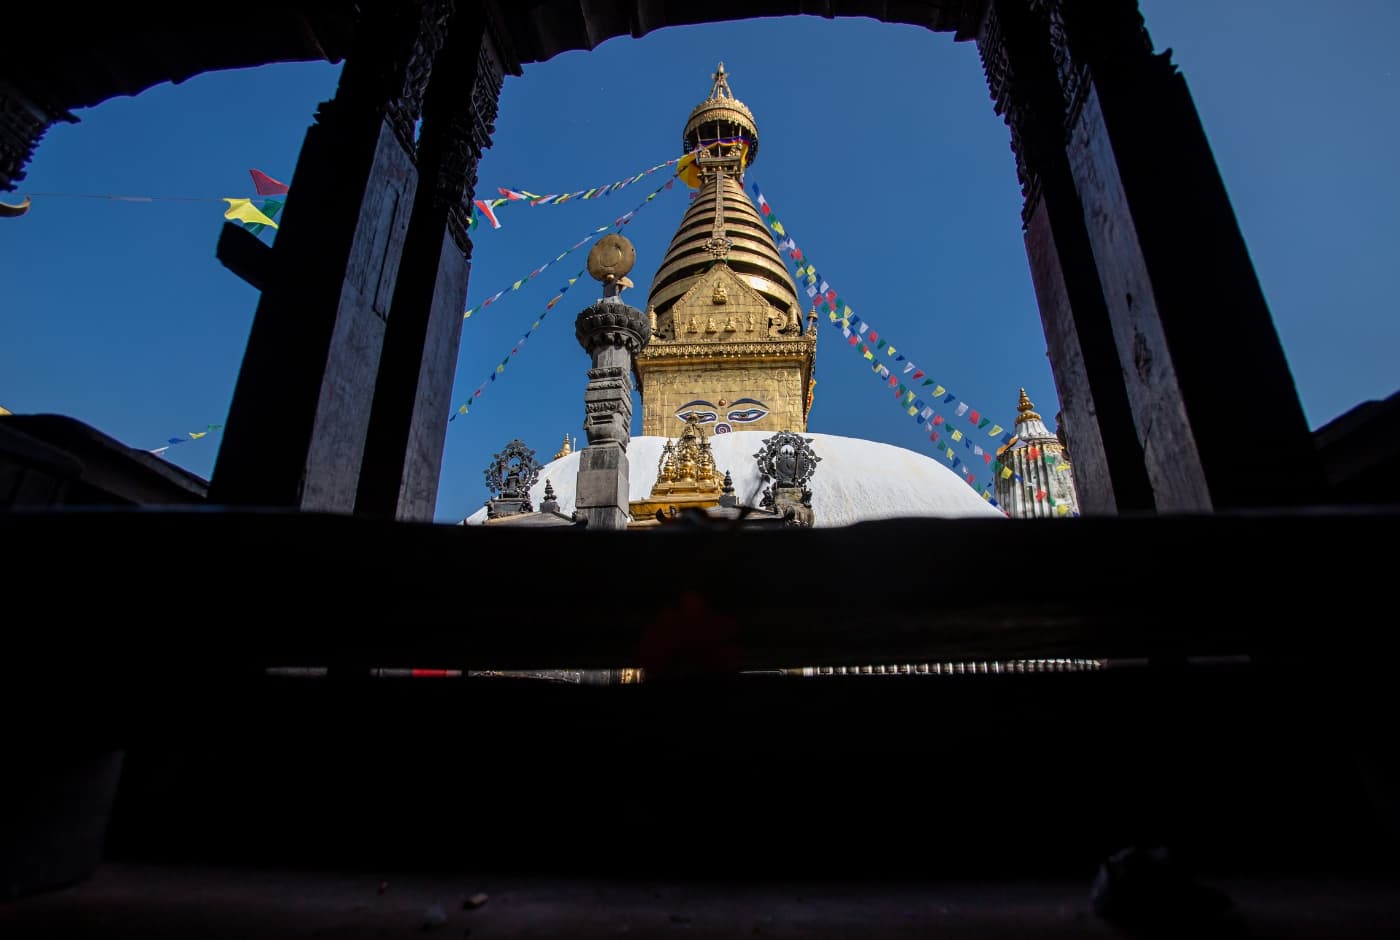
[856, 480]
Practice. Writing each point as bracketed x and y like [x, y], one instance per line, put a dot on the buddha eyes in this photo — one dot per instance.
[754, 412]
[700, 411]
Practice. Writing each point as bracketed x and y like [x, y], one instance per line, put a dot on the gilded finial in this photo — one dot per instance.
[566, 450]
[721, 86]
[1027, 409]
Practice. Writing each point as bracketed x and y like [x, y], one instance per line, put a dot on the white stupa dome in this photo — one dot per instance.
[856, 480]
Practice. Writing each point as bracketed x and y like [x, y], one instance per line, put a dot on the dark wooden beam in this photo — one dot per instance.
[245, 255]
[285, 589]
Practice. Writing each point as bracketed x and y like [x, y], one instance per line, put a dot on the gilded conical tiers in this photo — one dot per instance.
[752, 256]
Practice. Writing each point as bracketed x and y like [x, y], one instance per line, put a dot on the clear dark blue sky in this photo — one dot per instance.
[879, 151]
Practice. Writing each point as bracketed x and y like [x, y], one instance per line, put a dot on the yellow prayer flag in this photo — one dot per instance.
[1006, 473]
[1062, 509]
[939, 390]
[956, 435]
[995, 430]
[243, 210]
[913, 411]
[688, 171]
[196, 436]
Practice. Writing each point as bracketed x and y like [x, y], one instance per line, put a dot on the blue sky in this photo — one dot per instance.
[879, 151]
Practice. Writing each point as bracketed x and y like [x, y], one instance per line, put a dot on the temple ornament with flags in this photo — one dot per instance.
[726, 381]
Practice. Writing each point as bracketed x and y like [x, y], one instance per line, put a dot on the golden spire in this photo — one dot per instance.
[1027, 410]
[566, 450]
[721, 223]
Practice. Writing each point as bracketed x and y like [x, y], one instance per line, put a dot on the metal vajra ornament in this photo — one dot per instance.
[787, 459]
[513, 471]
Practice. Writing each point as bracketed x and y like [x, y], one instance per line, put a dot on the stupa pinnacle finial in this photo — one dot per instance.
[1027, 409]
[721, 125]
[721, 87]
[566, 450]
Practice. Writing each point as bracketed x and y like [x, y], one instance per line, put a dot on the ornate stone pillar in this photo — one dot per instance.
[1194, 337]
[408, 421]
[296, 429]
[612, 333]
[1025, 81]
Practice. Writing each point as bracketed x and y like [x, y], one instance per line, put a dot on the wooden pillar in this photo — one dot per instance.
[408, 421]
[1022, 74]
[23, 123]
[296, 428]
[1195, 341]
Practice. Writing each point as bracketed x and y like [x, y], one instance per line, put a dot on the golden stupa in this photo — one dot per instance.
[729, 346]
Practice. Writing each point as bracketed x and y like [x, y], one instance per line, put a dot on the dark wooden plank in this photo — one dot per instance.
[245, 255]
[289, 589]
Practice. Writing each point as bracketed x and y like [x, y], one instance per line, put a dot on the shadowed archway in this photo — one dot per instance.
[1145, 288]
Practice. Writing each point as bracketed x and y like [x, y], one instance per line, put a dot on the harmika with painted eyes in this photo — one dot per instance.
[740, 411]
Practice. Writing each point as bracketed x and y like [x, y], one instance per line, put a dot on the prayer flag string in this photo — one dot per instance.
[870, 342]
[522, 281]
[618, 225]
[190, 436]
[558, 199]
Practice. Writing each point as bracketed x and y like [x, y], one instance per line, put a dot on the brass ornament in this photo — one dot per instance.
[611, 258]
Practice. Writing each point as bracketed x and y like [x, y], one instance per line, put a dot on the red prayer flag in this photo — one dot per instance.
[1033, 452]
[266, 185]
[937, 419]
[918, 374]
[1040, 494]
[933, 436]
[855, 340]
[874, 336]
[974, 417]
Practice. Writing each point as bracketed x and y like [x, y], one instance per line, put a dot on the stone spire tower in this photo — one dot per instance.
[1046, 487]
[728, 347]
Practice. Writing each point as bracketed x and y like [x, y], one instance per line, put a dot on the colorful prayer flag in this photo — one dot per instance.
[243, 210]
[266, 185]
[487, 211]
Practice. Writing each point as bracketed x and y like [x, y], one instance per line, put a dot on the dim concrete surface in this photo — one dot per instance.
[125, 899]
